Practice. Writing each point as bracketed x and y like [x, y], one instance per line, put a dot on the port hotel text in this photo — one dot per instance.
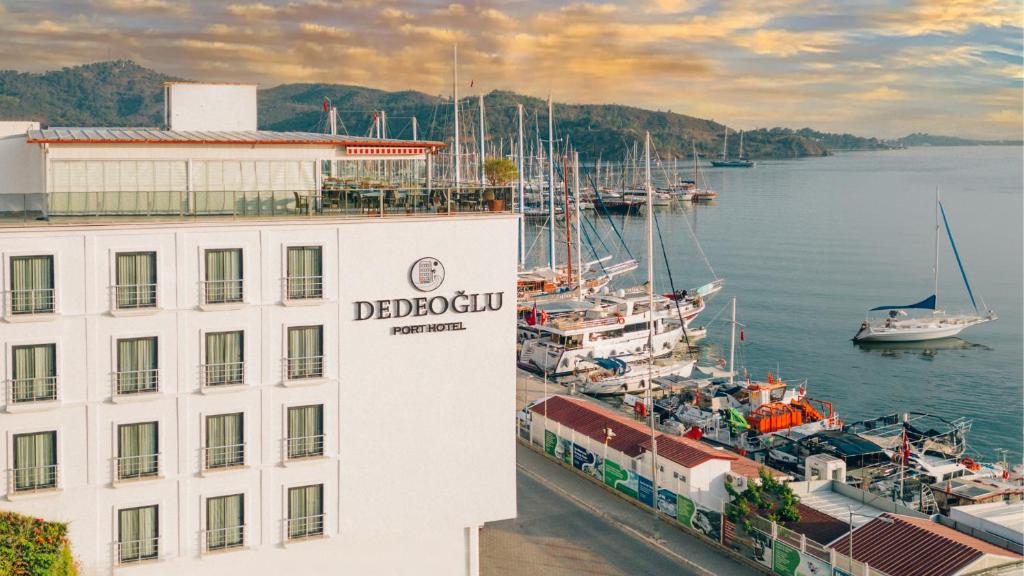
[458, 303]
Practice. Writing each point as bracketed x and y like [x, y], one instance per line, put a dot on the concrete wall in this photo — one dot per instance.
[21, 168]
[419, 440]
[196, 106]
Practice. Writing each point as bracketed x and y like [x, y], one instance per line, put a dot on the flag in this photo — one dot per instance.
[471, 82]
[905, 451]
[742, 336]
[325, 104]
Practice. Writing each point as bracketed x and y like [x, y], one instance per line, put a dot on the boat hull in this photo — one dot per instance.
[921, 334]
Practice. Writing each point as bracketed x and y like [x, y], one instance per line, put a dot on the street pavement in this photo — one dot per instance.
[568, 526]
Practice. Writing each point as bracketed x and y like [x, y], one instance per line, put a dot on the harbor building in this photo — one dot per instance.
[235, 350]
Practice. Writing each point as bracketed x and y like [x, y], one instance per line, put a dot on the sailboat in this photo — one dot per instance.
[699, 195]
[725, 161]
[898, 326]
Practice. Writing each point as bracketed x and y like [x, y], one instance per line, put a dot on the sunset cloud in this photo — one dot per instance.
[875, 68]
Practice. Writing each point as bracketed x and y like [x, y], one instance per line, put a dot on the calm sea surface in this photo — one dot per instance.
[806, 246]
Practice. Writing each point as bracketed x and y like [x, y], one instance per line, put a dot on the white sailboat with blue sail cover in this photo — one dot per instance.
[899, 326]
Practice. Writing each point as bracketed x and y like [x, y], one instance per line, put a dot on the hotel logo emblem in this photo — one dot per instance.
[427, 274]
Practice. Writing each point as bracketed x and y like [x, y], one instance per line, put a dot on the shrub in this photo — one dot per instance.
[34, 547]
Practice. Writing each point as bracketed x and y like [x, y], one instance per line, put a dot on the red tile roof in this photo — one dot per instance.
[590, 420]
[915, 547]
[818, 526]
[687, 452]
[746, 467]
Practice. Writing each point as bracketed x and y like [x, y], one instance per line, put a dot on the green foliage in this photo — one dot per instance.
[34, 547]
[500, 170]
[769, 499]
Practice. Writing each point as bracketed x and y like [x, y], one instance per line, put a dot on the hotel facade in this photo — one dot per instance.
[231, 350]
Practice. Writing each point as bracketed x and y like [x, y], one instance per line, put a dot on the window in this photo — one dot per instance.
[305, 273]
[138, 534]
[225, 358]
[135, 282]
[225, 522]
[225, 441]
[305, 431]
[138, 450]
[35, 461]
[305, 352]
[305, 511]
[223, 283]
[33, 373]
[137, 369]
[32, 285]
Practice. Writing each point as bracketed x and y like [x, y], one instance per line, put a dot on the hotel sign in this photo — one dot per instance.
[427, 275]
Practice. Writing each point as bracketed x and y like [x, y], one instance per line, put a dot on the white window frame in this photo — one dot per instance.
[161, 362]
[247, 516]
[247, 438]
[285, 301]
[112, 263]
[247, 380]
[161, 441]
[325, 454]
[9, 461]
[328, 499]
[324, 377]
[246, 280]
[5, 277]
[8, 374]
[161, 530]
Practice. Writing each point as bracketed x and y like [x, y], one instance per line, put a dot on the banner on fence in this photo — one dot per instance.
[621, 479]
[788, 561]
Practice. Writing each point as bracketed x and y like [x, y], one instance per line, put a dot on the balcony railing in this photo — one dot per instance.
[223, 538]
[32, 478]
[304, 447]
[337, 200]
[223, 374]
[27, 390]
[135, 467]
[130, 382]
[305, 526]
[304, 287]
[132, 551]
[219, 457]
[31, 302]
[135, 296]
[307, 367]
[222, 291]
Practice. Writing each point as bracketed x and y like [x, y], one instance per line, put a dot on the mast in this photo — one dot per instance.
[483, 152]
[741, 145]
[732, 345]
[522, 184]
[935, 271]
[552, 257]
[725, 145]
[568, 227]
[576, 193]
[414, 134]
[650, 326]
[455, 97]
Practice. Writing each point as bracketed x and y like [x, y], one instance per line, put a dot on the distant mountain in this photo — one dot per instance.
[122, 93]
[933, 140]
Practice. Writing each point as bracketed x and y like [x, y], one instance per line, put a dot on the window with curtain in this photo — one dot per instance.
[138, 450]
[225, 358]
[305, 352]
[138, 534]
[225, 522]
[223, 276]
[305, 431]
[32, 288]
[305, 273]
[33, 373]
[225, 440]
[35, 461]
[135, 280]
[137, 365]
[306, 511]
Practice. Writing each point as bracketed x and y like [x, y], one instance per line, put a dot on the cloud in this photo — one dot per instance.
[880, 94]
[785, 43]
[143, 6]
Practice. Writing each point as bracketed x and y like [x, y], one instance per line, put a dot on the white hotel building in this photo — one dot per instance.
[230, 351]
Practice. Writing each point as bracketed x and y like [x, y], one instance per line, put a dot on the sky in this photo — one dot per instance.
[868, 67]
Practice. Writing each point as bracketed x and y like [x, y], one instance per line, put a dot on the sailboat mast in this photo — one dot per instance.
[552, 257]
[568, 225]
[650, 325]
[483, 152]
[576, 194]
[522, 186]
[725, 144]
[732, 345]
[741, 145]
[935, 271]
[455, 97]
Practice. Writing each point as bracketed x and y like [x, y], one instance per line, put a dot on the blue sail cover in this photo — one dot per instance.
[928, 304]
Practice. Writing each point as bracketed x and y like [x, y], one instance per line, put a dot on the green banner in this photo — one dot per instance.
[786, 559]
[684, 510]
[549, 442]
[619, 478]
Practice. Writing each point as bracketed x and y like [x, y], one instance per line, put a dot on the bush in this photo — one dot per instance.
[500, 171]
[34, 547]
[769, 499]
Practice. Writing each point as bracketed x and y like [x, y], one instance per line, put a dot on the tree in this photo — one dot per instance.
[500, 171]
[769, 499]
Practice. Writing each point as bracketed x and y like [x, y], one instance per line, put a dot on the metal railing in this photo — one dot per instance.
[304, 287]
[305, 526]
[222, 374]
[31, 302]
[137, 550]
[134, 296]
[32, 478]
[304, 447]
[134, 467]
[335, 200]
[25, 390]
[136, 381]
[227, 456]
[222, 291]
[223, 538]
[307, 367]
